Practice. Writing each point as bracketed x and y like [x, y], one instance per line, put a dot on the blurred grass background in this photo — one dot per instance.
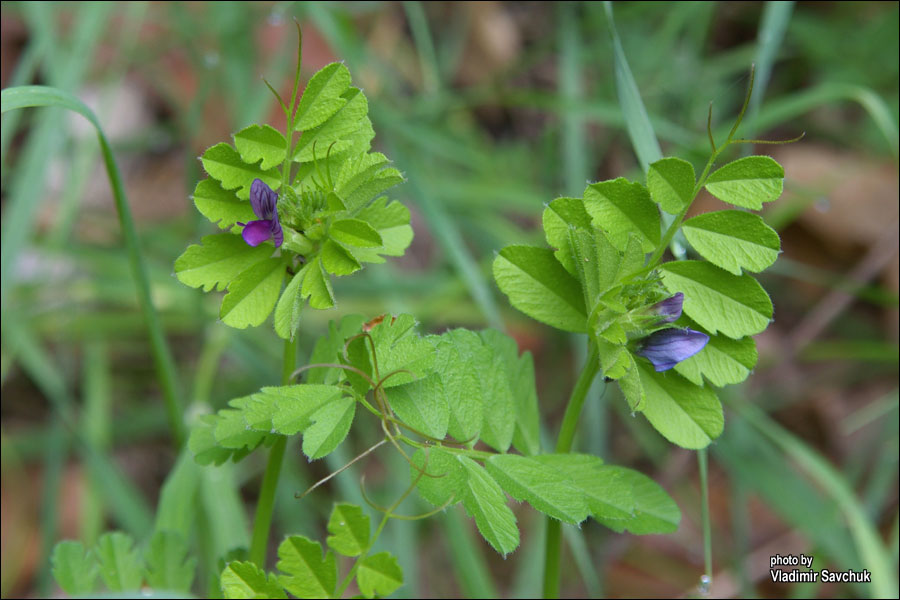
[490, 110]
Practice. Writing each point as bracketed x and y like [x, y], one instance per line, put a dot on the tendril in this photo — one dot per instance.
[299, 496]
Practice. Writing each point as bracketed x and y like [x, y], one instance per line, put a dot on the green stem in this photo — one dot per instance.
[704, 504]
[576, 401]
[263, 520]
[365, 553]
[37, 95]
[564, 444]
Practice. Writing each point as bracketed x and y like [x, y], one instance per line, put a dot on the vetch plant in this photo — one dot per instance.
[461, 407]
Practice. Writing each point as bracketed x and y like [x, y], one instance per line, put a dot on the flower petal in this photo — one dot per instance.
[670, 308]
[256, 232]
[277, 232]
[263, 199]
[668, 347]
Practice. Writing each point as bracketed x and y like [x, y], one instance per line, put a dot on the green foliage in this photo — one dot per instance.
[379, 575]
[305, 572]
[120, 562]
[349, 529]
[621, 209]
[597, 279]
[168, 566]
[540, 287]
[671, 184]
[736, 305]
[747, 182]
[163, 566]
[330, 212]
[733, 240]
[74, 568]
[567, 487]
[246, 580]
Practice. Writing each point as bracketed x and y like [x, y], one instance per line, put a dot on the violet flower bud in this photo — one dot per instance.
[668, 347]
[669, 309]
[265, 205]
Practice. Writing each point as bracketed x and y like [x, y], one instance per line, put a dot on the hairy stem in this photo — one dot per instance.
[263, 519]
[567, 431]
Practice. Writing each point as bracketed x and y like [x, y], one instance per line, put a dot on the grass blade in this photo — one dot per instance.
[775, 20]
[27, 96]
[637, 122]
[873, 553]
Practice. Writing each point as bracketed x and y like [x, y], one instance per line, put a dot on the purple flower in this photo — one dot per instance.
[265, 205]
[668, 347]
[669, 309]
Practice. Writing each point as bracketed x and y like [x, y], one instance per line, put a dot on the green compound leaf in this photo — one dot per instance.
[630, 383]
[252, 295]
[234, 430]
[621, 208]
[338, 260]
[422, 405]
[358, 191]
[287, 311]
[246, 580]
[218, 260]
[203, 444]
[261, 143]
[331, 423]
[671, 184]
[747, 182]
[519, 373]
[379, 574]
[717, 300]
[560, 216]
[224, 164]
[120, 562]
[460, 356]
[499, 424]
[349, 529]
[291, 407]
[322, 96]
[733, 240]
[329, 347]
[317, 286]
[447, 479]
[538, 285]
[346, 130]
[654, 510]
[685, 414]
[546, 489]
[399, 348]
[603, 489]
[308, 573]
[221, 206]
[391, 221]
[356, 232]
[74, 568]
[723, 361]
[168, 565]
[483, 499]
